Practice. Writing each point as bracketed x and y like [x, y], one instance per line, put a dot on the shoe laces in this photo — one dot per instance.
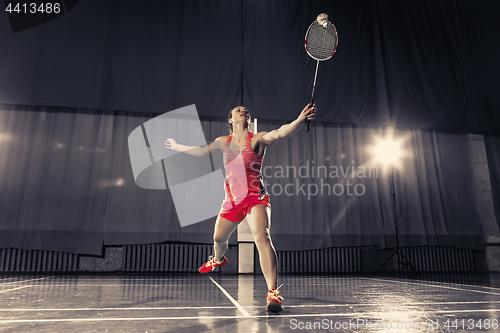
[276, 292]
[212, 260]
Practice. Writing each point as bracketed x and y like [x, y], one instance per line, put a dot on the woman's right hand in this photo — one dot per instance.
[170, 144]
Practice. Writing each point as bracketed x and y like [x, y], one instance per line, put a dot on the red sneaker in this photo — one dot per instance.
[273, 299]
[211, 264]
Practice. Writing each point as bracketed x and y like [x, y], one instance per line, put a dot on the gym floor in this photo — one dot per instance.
[236, 303]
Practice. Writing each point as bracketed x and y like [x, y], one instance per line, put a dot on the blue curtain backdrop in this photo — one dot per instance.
[426, 64]
[67, 185]
[72, 90]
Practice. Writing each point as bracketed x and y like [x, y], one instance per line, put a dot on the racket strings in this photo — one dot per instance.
[321, 42]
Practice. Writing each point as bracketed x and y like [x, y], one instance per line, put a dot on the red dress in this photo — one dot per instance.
[244, 184]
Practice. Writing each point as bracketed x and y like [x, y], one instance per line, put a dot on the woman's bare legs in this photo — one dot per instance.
[259, 221]
[223, 230]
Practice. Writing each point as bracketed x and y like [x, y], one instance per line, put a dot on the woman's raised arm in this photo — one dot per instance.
[287, 130]
[218, 144]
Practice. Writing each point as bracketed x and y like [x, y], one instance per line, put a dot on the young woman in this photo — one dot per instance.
[246, 195]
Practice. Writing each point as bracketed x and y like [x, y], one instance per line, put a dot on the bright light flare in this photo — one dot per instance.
[387, 150]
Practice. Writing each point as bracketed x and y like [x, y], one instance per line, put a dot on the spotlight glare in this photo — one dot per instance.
[387, 151]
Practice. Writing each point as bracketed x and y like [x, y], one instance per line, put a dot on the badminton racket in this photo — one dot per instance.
[321, 43]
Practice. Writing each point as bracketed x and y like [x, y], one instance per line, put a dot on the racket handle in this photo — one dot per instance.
[308, 125]
[308, 122]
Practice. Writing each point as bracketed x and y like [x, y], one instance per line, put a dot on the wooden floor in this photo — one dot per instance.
[186, 303]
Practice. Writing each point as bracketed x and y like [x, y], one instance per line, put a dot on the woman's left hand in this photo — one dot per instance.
[308, 113]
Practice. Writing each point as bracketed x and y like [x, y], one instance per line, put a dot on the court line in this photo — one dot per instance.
[124, 309]
[125, 279]
[48, 277]
[354, 314]
[435, 286]
[52, 285]
[242, 310]
[455, 283]
[402, 305]
[249, 306]
[2, 291]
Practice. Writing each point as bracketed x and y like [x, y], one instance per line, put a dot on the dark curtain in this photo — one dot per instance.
[66, 184]
[143, 56]
[54, 178]
[492, 143]
[93, 75]
[426, 64]
[436, 199]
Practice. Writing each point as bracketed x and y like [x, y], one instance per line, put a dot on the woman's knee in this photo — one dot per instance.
[220, 240]
[261, 239]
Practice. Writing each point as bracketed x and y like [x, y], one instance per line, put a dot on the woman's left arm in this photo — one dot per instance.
[287, 130]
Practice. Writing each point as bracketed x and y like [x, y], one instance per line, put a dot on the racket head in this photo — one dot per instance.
[320, 41]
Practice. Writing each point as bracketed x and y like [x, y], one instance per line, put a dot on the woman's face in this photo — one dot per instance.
[239, 114]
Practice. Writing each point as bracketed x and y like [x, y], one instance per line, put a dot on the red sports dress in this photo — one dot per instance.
[244, 184]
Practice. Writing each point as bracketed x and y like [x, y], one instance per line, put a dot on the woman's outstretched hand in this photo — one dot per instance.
[170, 144]
[308, 113]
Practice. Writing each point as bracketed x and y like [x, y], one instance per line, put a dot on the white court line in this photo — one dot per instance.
[85, 279]
[1, 284]
[125, 309]
[249, 306]
[2, 291]
[354, 314]
[77, 285]
[455, 283]
[243, 311]
[436, 286]
[378, 304]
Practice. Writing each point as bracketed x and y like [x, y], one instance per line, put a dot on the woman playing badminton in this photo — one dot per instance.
[246, 195]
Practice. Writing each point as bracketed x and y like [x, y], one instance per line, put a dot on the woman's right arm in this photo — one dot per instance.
[218, 144]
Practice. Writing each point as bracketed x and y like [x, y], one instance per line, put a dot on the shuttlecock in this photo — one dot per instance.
[322, 19]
